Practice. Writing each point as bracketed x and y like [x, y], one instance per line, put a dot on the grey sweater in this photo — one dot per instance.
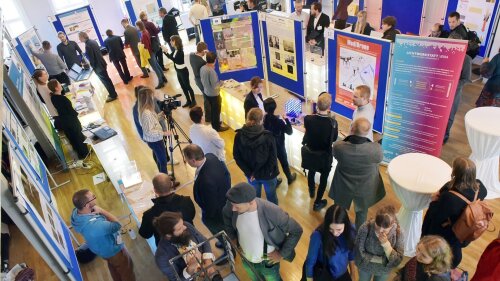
[210, 81]
[52, 62]
[368, 247]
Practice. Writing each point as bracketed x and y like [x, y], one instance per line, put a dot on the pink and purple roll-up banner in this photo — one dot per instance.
[423, 81]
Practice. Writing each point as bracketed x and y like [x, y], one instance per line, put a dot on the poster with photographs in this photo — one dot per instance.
[30, 41]
[234, 43]
[76, 21]
[281, 43]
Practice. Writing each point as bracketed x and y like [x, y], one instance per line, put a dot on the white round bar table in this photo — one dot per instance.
[482, 125]
[414, 177]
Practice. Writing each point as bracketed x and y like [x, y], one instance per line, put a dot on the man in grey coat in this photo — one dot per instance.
[357, 177]
[131, 36]
[265, 233]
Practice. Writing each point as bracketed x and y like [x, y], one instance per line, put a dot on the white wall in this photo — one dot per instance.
[38, 12]
[108, 15]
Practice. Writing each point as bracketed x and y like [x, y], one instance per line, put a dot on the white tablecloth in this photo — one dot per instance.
[414, 177]
[483, 131]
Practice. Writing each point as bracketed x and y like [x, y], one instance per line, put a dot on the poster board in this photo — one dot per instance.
[151, 8]
[77, 20]
[236, 39]
[424, 78]
[27, 41]
[354, 60]
[283, 43]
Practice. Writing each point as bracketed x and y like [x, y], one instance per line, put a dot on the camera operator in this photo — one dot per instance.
[152, 132]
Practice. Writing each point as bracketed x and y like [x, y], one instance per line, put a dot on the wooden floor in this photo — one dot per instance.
[294, 199]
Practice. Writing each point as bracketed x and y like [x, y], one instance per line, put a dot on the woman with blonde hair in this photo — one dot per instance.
[361, 26]
[431, 263]
[446, 207]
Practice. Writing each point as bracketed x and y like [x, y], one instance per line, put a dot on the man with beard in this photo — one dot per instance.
[318, 22]
[179, 237]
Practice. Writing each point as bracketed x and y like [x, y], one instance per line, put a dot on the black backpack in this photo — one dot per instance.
[474, 43]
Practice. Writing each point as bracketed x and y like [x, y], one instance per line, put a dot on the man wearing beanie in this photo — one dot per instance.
[265, 233]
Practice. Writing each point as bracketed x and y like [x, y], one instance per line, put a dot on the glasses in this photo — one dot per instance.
[94, 198]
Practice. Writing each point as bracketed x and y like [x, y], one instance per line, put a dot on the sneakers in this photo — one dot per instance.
[293, 178]
[79, 165]
[319, 205]
[110, 99]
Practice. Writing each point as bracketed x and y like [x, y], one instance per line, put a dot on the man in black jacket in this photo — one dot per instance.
[98, 63]
[68, 50]
[316, 26]
[169, 26]
[211, 183]
[456, 27]
[166, 200]
[115, 46]
[255, 153]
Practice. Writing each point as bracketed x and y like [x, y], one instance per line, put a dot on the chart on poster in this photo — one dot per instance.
[76, 21]
[281, 43]
[476, 15]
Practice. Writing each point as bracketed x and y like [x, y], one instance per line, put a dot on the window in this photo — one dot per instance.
[14, 17]
[61, 6]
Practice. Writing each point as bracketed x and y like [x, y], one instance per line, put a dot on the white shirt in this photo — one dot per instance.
[260, 102]
[208, 139]
[197, 13]
[316, 19]
[303, 17]
[45, 93]
[250, 236]
[367, 112]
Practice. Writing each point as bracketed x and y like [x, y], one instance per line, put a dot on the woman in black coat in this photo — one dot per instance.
[361, 26]
[446, 207]
[254, 98]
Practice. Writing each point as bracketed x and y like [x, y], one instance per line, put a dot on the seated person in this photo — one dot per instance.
[389, 28]
[361, 26]
[438, 31]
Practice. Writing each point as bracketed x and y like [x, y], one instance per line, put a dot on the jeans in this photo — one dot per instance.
[214, 104]
[156, 68]
[322, 184]
[106, 81]
[269, 187]
[121, 66]
[367, 276]
[197, 33]
[281, 152]
[159, 59]
[454, 108]
[183, 77]
[121, 266]
[264, 271]
[361, 215]
[138, 60]
[160, 153]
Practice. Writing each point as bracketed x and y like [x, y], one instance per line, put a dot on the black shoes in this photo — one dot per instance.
[145, 76]
[110, 99]
[223, 128]
[311, 193]
[278, 181]
[319, 205]
[128, 80]
[160, 86]
[186, 104]
[292, 178]
[191, 105]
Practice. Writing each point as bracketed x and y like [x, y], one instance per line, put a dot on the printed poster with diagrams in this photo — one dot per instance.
[30, 41]
[476, 15]
[76, 21]
[281, 43]
[234, 43]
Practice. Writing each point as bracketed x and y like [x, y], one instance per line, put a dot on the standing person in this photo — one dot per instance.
[177, 56]
[465, 76]
[131, 36]
[166, 200]
[146, 40]
[211, 88]
[364, 108]
[456, 27]
[447, 206]
[67, 121]
[318, 22]
[431, 263]
[278, 126]
[115, 46]
[362, 26]
[154, 32]
[299, 14]
[205, 136]
[379, 246]
[101, 231]
[197, 61]
[217, 7]
[169, 26]
[254, 98]
[99, 65]
[331, 246]
[357, 177]
[41, 78]
[265, 232]
[68, 50]
[196, 13]
[340, 16]
[490, 95]
[321, 132]
[255, 153]
[211, 183]
[151, 129]
[389, 28]
[488, 266]
[53, 63]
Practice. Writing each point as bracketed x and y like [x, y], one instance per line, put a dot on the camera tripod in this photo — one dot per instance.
[174, 128]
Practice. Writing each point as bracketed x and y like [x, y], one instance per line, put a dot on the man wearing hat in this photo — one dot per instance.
[265, 233]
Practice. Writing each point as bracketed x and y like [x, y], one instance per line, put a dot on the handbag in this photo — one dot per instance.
[318, 160]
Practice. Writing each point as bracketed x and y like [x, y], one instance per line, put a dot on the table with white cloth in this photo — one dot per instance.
[414, 178]
[483, 131]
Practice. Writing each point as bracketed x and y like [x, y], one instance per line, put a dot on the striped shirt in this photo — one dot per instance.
[151, 128]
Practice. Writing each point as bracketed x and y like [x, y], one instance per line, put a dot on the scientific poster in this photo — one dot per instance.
[476, 15]
[424, 77]
[357, 63]
[30, 41]
[281, 43]
[234, 43]
[151, 9]
[76, 21]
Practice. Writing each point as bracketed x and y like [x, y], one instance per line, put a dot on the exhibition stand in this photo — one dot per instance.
[77, 20]
[414, 178]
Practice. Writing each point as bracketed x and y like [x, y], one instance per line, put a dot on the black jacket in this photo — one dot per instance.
[94, 55]
[461, 30]
[170, 203]
[278, 128]
[391, 34]
[366, 31]
[250, 102]
[255, 152]
[317, 32]
[178, 59]
[115, 46]
[210, 187]
[169, 27]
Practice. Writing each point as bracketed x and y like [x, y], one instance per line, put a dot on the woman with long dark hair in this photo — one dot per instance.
[331, 248]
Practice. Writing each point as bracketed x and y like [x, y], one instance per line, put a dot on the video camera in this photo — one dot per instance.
[169, 103]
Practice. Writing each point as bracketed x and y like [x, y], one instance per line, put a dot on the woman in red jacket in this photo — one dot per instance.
[146, 40]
